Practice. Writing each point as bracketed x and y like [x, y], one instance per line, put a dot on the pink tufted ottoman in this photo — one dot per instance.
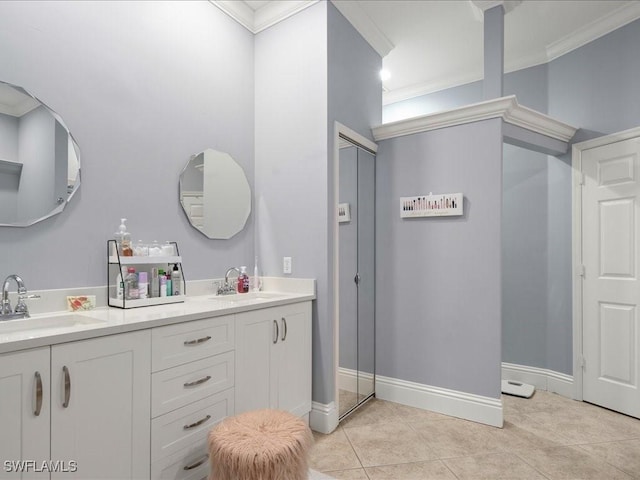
[260, 445]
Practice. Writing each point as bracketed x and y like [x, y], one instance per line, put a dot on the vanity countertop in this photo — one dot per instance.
[62, 327]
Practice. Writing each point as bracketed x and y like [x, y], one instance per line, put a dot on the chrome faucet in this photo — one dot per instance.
[21, 310]
[228, 288]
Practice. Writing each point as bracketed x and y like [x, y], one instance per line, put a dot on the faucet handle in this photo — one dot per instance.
[21, 306]
[6, 307]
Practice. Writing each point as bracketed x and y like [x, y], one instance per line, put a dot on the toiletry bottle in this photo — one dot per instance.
[243, 280]
[169, 285]
[131, 285]
[120, 285]
[124, 237]
[154, 291]
[176, 280]
[143, 286]
[163, 284]
[255, 287]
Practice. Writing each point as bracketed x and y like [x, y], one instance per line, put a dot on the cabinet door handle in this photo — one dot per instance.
[36, 412]
[197, 464]
[67, 387]
[284, 329]
[199, 422]
[198, 382]
[277, 332]
[197, 341]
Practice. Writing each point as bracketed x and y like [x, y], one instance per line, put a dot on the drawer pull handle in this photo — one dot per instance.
[199, 422]
[67, 387]
[197, 341]
[197, 464]
[277, 332]
[284, 329]
[198, 382]
[36, 412]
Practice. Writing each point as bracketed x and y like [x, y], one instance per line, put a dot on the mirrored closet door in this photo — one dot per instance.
[356, 232]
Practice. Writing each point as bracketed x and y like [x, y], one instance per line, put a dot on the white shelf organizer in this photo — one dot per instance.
[117, 262]
[443, 205]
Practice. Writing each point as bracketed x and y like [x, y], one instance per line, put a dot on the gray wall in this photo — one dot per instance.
[438, 279]
[524, 256]
[291, 166]
[141, 86]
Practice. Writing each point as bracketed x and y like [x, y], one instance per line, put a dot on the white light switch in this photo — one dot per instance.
[286, 265]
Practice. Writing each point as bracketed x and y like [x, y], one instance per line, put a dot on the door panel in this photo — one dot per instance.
[611, 291]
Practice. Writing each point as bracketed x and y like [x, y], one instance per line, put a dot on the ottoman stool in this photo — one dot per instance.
[260, 445]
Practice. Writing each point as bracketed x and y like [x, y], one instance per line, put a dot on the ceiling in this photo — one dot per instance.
[430, 45]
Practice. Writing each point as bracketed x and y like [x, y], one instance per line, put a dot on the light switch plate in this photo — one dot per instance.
[286, 265]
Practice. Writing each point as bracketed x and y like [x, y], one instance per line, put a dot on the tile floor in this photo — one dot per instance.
[544, 437]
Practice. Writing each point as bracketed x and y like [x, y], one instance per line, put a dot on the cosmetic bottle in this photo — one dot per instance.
[163, 284]
[154, 291]
[169, 285]
[143, 286]
[243, 280]
[131, 285]
[176, 280]
[120, 285]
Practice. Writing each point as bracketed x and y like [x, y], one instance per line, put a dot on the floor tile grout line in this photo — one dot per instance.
[532, 466]
[354, 451]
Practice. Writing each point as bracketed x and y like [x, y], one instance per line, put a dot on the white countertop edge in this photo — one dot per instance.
[117, 320]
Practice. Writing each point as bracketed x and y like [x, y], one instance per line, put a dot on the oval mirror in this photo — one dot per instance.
[215, 194]
[39, 160]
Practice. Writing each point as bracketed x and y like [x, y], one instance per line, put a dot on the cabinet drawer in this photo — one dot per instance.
[182, 465]
[186, 342]
[179, 386]
[188, 425]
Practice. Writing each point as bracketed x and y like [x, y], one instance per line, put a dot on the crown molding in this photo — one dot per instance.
[417, 90]
[271, 13]
[594, 30]
[356, 15]
[506, 108]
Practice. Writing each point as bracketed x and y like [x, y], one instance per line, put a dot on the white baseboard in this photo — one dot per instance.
[541, 378]
[323, 417]
[448, 402]
[354, 381]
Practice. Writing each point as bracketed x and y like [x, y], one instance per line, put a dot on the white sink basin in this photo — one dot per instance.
[47, 323]
[248, 297]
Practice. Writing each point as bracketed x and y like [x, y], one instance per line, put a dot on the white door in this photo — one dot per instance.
[100, 406]
[611, 290]
[294, 359]
[256, 331]
[24, 414]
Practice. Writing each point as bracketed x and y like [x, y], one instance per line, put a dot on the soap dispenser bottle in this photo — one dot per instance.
[123, 240]
[243, 280]
[176, 280]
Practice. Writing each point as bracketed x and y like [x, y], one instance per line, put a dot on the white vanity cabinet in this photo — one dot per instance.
[24, 410]
[93, 410]
[273, 359]
[192, 390]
